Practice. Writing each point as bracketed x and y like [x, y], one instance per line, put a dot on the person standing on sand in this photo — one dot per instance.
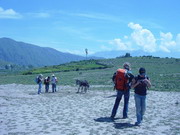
[140, 84]
[54, 82]
[39, 82]
[122, 80]
[46, 83]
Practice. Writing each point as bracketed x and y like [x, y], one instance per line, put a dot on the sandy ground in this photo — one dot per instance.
[23, 112]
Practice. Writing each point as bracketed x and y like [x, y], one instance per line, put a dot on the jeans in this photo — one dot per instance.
[47, 87]
[40, 86]
[53, 87]
[140, 102]
[126, 94]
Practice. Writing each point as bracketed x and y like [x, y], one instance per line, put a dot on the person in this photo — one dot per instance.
[39, 82]
[123, 90]
[140, 84]
[46, 82]
[54, 82]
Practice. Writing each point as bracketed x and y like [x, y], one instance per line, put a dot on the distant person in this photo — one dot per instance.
[140, 84]
[54, 82]
[46, 83]
[122, 79]
[39, 81]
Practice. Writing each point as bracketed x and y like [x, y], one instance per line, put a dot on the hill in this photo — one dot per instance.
[72, 66]
[21, 53]
[163, 72]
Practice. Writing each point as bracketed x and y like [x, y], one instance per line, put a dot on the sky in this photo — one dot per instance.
[98, 25]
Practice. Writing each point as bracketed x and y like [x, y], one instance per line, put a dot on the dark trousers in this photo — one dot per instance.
[46, 88]
[120, 93]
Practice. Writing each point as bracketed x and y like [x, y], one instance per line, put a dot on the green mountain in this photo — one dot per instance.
[27, 54]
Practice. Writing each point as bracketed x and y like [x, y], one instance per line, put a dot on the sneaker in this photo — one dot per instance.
[112, 117]
[137, 124]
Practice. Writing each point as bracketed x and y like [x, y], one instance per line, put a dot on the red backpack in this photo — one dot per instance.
[121, 80]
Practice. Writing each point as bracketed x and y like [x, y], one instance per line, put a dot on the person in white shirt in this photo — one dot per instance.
[54, 82]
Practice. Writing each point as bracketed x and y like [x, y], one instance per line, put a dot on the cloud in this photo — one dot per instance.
[134, 26]
[178, 42]
[143, 38]
[164, 49]
[98, 16]
[77, 52]
[167, 44]
[39, 15]
[120, 45]
[106, 48]
[9, 14]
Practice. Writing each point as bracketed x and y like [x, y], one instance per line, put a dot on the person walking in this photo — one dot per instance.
[46, 83]
[140, 84]
[122, 80]
[54, 82]
[39, 82]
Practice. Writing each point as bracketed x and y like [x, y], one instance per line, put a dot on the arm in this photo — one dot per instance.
[148, 82]
[134, 83]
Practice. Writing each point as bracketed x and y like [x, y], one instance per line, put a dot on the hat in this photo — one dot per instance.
[127, 65]
[53, 75]
[40, 75]
[142, 71]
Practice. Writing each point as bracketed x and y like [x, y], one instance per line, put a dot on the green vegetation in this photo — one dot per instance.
[163, 72]
[72, 66]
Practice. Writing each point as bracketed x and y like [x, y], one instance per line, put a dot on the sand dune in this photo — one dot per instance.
[23, 112]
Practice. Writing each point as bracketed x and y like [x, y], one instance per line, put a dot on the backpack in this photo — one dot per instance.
[37, 80]
[120, 80]
[45, 80]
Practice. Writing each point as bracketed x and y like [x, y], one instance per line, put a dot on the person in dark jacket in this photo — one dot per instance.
[140, 84]
[46, 83]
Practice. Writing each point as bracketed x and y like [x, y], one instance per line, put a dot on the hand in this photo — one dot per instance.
[138, 82]
[146, 81]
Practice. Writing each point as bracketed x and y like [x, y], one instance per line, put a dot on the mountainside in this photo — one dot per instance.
[27, 54]
[113, 54]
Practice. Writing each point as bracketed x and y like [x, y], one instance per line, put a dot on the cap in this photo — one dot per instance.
[142, 71]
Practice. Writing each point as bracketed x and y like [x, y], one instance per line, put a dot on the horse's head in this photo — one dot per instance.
[77, 82]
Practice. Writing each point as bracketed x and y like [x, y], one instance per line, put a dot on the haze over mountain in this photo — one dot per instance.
[27, 54]
[113, 54]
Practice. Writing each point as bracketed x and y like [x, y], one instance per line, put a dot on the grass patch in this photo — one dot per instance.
[72, 66]
[163, 72]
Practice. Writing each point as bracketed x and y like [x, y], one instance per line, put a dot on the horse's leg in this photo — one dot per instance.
[81, 89]
[85, 89]
[78, 89]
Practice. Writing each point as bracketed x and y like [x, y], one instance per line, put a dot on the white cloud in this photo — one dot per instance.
[167, 39]
[105, 48]
[40, 15]
[167, 44]
[164, 49]
[178, 42]
[143, 37]
[134, 26]
[120, 45]
[9, 14]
